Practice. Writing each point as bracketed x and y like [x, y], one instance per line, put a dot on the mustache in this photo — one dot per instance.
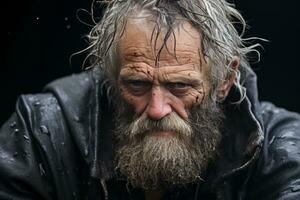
[172, 122]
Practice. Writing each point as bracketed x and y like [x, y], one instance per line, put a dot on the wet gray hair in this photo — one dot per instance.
[214, 19]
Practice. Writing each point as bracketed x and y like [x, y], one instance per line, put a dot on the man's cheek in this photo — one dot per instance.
[137, 104]
[194, 98]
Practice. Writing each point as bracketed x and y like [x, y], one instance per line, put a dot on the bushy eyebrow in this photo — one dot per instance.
[142, 78]
[134, 77]
[190, 81]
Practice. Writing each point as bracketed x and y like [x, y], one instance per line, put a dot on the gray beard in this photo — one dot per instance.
[151, 162]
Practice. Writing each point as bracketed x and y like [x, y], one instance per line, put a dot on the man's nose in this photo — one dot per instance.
[158, 106]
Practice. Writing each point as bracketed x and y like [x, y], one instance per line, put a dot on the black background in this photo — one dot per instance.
[39, 36]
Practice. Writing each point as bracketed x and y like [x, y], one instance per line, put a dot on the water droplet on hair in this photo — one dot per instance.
[68, 26]
[26, 137]
[66, 18]
[15, 154]
[16, 130]
[37, 18]
[44, 130]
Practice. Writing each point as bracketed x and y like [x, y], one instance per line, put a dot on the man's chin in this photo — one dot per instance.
[159, 161]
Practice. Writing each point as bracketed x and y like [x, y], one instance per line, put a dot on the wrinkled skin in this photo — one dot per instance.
[173, 86]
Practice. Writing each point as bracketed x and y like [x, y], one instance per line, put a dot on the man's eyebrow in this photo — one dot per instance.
[131, 77]
[188, 80]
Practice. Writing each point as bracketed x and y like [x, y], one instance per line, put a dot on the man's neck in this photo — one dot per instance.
[153, 195]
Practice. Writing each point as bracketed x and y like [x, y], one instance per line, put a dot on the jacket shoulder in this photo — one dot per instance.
[39, 148]
[277, 175]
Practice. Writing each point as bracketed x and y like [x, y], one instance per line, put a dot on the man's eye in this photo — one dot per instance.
[138, 84]
[138, 87]
[178, 88]
[178, 85]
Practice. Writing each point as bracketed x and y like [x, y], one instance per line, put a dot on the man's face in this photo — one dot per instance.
[168, 130]
[177, 84]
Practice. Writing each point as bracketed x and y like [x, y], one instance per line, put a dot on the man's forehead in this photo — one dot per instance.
[145, 29]
[143, 37]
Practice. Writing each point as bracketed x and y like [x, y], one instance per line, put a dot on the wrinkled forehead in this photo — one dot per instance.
[145, 34]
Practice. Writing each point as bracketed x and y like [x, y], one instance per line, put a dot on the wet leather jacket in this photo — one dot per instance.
[58, 145]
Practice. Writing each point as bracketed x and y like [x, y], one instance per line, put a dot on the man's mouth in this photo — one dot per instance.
[162, 133]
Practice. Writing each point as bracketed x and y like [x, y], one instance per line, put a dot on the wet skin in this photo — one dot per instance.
[174, 84]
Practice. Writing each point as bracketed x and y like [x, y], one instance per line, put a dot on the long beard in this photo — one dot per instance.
[151, 162]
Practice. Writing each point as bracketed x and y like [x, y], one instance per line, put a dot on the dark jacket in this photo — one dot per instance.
[58, 145]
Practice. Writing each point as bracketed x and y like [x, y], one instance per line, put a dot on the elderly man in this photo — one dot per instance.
[168, 111]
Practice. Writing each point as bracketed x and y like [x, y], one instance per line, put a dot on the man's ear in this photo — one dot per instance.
[225, 85]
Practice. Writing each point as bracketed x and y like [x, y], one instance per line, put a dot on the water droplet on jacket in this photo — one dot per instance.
[66, 18]
[296, 188]
[77, 119]
[42, 171]
[26, 137]
[272, 140]
[17, 130]
[13, 125]
[37, 103]
[63, 144]
[44, 130]
[276, 111]
[86, 152]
